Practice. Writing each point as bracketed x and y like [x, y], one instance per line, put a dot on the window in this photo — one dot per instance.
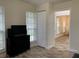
[2, 29]
[31, 25]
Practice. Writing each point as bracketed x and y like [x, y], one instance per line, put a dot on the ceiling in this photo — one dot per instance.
[39, 2]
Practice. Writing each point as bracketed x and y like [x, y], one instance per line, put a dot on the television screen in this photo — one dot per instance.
[19, 29]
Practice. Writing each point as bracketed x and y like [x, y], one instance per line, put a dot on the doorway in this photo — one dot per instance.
[62, 26]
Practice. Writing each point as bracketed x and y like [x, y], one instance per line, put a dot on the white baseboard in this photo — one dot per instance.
[3, 50]
[49, 47]
[74, 51]
[32, 44]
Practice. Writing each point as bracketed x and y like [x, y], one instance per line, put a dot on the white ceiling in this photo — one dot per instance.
[39, 2]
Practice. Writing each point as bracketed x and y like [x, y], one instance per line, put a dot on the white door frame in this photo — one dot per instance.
[61, 13]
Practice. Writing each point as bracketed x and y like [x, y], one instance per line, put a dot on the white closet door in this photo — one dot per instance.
[42, 29]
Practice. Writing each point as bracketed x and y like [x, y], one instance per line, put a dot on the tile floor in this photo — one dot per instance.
[62, 42]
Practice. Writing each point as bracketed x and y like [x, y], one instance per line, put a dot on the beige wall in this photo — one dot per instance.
[63, 6]
[15, 11]
[74, 37]
[50, 26]
[43, 7]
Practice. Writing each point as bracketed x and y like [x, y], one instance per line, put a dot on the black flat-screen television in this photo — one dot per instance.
[19, 29]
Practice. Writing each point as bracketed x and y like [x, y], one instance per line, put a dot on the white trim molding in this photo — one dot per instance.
[74, 51]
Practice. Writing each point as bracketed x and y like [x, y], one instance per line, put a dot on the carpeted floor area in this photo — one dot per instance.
[40, 52]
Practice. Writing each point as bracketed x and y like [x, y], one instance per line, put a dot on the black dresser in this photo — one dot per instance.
[17, 41]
